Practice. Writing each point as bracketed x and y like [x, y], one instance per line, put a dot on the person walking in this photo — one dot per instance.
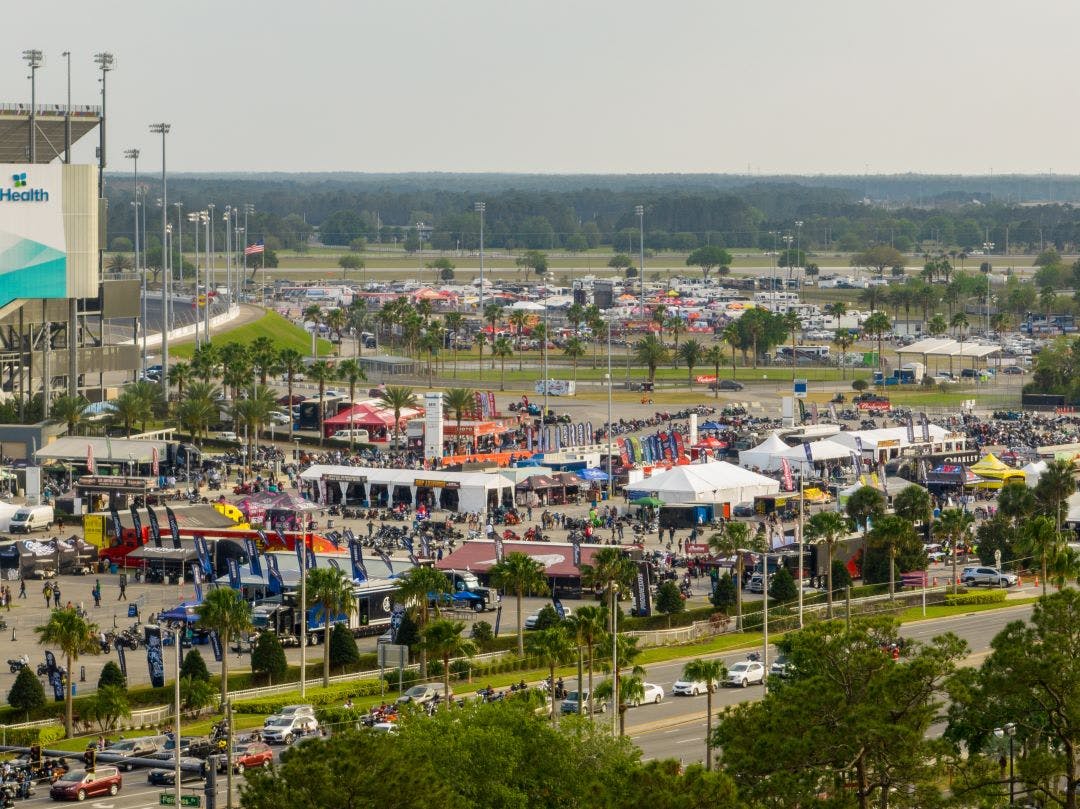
[22, 588]
[123, 588]
[96, 592]
[47, 592]
[56, 595]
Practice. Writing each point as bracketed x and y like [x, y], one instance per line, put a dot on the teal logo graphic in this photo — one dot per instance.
[18, 192]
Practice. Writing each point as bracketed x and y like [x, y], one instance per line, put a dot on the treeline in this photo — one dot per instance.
[292, 212]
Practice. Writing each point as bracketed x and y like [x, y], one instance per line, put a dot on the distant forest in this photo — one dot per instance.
[579, 212]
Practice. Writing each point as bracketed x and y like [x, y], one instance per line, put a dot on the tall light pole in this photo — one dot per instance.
[179, 279]
[249, 209]
[208, 222]
[480, 208]
[988, 247]
[133, 155]
[765, 620]
[34, 59]
[105, 62]
[195, 218]
[211, 276]
[611, 480]
[163, 130]
[640, 211]
[67, 110]
[227, 216]
[798, 246]
[177, 639]
[614, 660]
[420, 259]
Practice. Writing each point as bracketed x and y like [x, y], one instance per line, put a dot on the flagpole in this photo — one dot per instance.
[802, 506]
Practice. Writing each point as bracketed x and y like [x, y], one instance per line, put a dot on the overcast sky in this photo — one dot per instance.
[769, 86]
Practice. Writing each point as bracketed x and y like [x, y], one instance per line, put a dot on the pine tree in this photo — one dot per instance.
[723, 595]
[111, 675]
[268, 658]
[343, 651]
[782, 588]
[26, 694]
[669, 600]
[194, 667]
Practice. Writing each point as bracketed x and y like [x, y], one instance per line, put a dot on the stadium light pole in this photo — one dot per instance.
[67, 111]
[480, 208]
[249, 210]
[640, 211]
[179, 278]
[227, 216]
[195, 218]
[210, 274]
[34, 59]
[105, 62]
[133, 156]
[163, 130]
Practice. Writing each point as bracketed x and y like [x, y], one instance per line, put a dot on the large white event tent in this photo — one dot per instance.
[716, 482]
[763, 455]
[824, 450]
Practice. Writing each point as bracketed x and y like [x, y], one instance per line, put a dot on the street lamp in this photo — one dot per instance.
[163, 130]
[1009, 730]
[34, 59]
[133, 155]
[765, 620]
[177, 628]
[480, 208]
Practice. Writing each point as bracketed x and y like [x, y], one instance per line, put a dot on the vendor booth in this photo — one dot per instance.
[462, 492]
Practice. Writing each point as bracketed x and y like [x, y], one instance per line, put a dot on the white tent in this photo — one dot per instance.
[1072, 505]
[1032, 472]
[764, 454]
[824, 450]
[715, 482]
[7, 511]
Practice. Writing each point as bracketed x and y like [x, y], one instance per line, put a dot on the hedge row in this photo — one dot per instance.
[983, 597]
[315, 696]
[24, 737]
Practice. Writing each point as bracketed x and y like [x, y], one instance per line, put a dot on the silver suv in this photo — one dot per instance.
[991, 577]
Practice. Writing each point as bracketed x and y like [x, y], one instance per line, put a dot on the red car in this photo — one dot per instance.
[250, 756]
[78, 785]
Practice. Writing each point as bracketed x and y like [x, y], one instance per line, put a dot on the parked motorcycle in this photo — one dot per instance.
[15, 665]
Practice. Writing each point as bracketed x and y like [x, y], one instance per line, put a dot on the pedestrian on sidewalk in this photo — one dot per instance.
[123, 588]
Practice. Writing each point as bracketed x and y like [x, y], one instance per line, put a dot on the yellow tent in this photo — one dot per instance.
[995, 472]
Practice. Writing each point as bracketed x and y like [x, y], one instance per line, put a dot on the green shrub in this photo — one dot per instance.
[111, 675]
[343, 651]
[460, 669]
[194, 667]
[982, 597]
[315, 696]
[27, 695]
[268, 658]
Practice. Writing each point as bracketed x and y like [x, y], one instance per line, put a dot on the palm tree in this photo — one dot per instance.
[336, 321]
[733, 337]
[827, 528]
[225, 611]
[937, 325]
[519, 320]
[359, 322]
[954, 526]
[236, 368]
[588, 625]
[877, 324]
[691, 352]
[888, 532]
[69, 410]
[676, 325]
[73, 636]
[714, 356]
[1016, 502]
[453, 321]
[553, 646]
[491, 314]
[650, 352]
[291, 363]
[459, 401]
[1056, 484]
[735, 540]
[129, 408]
[180, 374]
[755, 330]
[431, 341]
[843, 340]
[313, 315]
[265, 357]
[253, 412]
[519, 573]
[502, 348]
[328, 587]
[350, 372]
[914, 505]
[960, 323]
[866, 504]
[1041, 538]
[610, 570]
[443, 639]
[631, 692]
[199, 410]
[415, 589]
[710, 672]
[321, 372]
[575, 350]
[397, 398]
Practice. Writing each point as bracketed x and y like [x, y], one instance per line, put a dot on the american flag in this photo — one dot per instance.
[254, 249]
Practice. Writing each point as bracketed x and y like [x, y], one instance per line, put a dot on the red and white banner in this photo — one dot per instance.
[90, 459]
[789, 482]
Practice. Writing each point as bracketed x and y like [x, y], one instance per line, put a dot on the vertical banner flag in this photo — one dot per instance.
[925, 426]
[680, 446]
[298, 545]
[121, 656]
[498, 550]
[234, 573]
[623, 456]
[281, 536]
[832, 412]
[425, 546]
[310, 559]
[264, 543]
[174, 529]
[589, 432]
[90, 459]
[910, 429]
[491, 403]
[673, 444]
[203, 553]
[196, 578]
[560, 610]
[118, 531]
[813, 412]
[154, 659]
[253, 557]
[881, 477]
[856, 462]
[136, 522]
[215, 645]
[809, 452]
[577, 553]
[356, 556]
[789, 483]
[529, 439]
[642, 593]
[155, 529]
[56, 680]
[155, 467]
[274, 574]
[334, 564]
[558, 439]
[858, 444]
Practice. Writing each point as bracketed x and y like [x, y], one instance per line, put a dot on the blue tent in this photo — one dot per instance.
[592, 474]
[182, 612]
[711, 425]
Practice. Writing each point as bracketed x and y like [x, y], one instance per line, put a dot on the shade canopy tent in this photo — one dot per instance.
[764, 453]
[947, 347]
[820, 451]
[1032, 472]
[592, 474]
[369, 415]
[996, 472]
[894, 439]
[715, 482]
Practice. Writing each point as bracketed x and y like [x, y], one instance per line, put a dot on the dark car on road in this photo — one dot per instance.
[166, 776]
[726, 384]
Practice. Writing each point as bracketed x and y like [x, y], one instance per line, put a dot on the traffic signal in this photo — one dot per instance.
[35, 756]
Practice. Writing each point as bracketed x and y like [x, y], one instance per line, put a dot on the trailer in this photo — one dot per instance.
[371, 615]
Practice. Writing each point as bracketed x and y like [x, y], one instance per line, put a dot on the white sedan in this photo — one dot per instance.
[654, 694]
[530, 622]
[745, 672]
[689, 688]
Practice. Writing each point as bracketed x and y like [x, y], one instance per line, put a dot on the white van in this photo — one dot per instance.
[31, 518]
[361, 436]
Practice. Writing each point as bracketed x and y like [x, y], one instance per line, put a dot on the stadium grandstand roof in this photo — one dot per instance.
[947, 347]
[51, 118]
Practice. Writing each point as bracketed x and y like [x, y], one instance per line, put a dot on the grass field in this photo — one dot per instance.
[272, 325]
